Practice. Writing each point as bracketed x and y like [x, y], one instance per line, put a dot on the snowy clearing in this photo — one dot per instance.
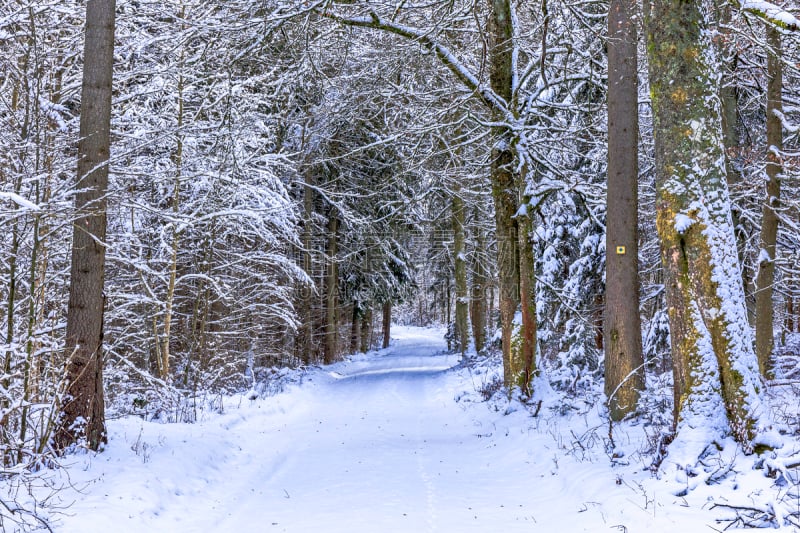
[393, 440]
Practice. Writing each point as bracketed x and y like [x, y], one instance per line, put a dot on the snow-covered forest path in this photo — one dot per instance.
[374, 444]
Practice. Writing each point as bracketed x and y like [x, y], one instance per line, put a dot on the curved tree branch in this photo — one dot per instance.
[489, 98]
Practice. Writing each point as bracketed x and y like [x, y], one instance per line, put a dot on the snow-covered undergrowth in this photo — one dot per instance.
[410, 439]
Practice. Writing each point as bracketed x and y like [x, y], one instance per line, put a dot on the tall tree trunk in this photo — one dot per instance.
[505, 201]
[490, 320]
[765, 341]
[387, 323]
[715, 366]
[448, 308]
[477, 301]
[366, 330]
[332, 292]
[355, 328]
[518, 353]
[12, 258]
[83, 403]
[622, 332]
[173, 264]
[303, 346]
[11, 308]
[30, 365]
[460, 258]
[523, 356]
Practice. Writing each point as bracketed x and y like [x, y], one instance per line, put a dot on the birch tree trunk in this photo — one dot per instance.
[83, 414]
[765, 341]
[622, 332]
[714, 364]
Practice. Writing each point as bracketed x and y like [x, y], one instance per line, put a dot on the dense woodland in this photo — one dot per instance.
[604, 192]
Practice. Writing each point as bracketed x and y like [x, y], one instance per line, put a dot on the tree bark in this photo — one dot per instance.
[715, 367]
[366, 330]
[83, 415]
[460, 259]
[355, 328]
[622, 333]
[523, 357]
[387, 323]
[477, 301]
[447, 307]
[303, 342]
[332, 292]
[765, 278]
[518, 352]
[505, 202]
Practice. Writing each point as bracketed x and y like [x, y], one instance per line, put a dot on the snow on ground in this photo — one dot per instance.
[391, 441]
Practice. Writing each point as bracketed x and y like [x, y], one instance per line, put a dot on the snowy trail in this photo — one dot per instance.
[376, 444]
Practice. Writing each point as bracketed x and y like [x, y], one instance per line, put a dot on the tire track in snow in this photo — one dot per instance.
[427, 480]
[355, 449]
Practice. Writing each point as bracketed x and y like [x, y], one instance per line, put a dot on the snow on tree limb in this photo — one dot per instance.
[771, 13]
[20, 201]
[486, 94]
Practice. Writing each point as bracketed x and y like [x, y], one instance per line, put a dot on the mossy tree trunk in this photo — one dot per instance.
[715, 366]
[505, 205]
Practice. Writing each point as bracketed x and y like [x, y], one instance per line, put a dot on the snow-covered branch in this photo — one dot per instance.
[445, 55]
[20, 201]
[771, 13]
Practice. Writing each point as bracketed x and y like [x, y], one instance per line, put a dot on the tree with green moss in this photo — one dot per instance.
[717, 382]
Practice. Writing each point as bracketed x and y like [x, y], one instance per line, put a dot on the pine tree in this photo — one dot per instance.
[622, 334]
[83, 403]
